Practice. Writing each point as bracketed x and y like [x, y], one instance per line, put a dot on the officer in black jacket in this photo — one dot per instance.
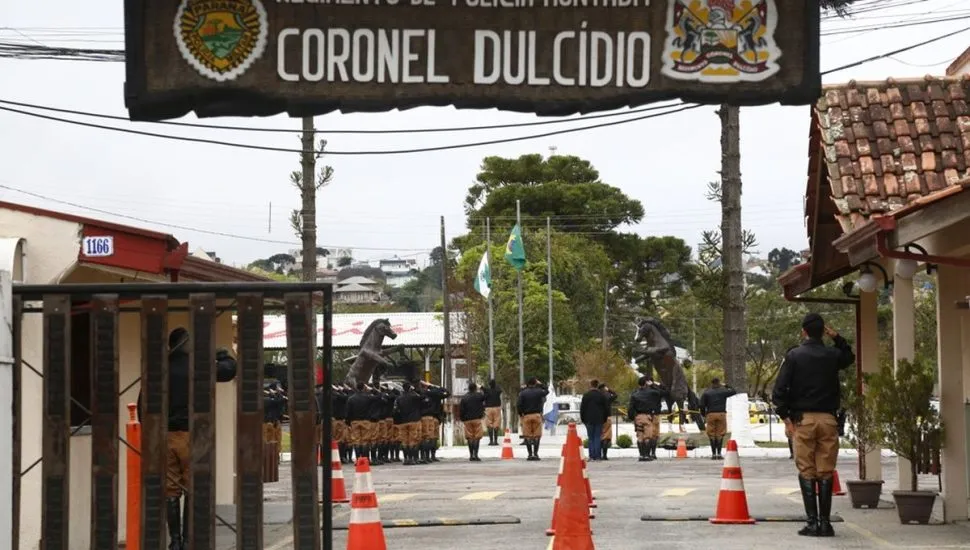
[274, 403]
[357, 418]
[493, 411]
[714, 410]
[375, 414]
[471, 410]
[432, 413]
[529, 408]
[644, 411]
[407, 407]
[178, 429]
[806, 395]
[340, 433]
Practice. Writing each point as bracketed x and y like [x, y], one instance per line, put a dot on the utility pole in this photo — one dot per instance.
[732, 249]
[446, 348]
[308, 192]
[549, 289]
[606, 313]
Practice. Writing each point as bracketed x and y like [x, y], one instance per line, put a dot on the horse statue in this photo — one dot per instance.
[657, 349]
[372, 359]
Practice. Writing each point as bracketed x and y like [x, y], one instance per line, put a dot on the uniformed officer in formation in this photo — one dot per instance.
[357, 420]
[432, 414]
[529, 408]
[644, 411]
[340, 431]
[407, 411]
[806, 395]
[375, 415]
[606, 441]
[274, 407]
[471, 410]
[493, 411]
[714, 410]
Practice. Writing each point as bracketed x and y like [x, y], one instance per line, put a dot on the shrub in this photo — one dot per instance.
[624, 441]
[586, 443]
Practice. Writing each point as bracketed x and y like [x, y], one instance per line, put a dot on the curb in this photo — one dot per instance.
[761, 519]
[442, 522]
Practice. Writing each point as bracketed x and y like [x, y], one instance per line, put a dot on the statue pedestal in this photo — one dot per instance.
[739, 420]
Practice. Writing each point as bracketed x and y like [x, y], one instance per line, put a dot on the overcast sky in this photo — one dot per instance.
[390, 204]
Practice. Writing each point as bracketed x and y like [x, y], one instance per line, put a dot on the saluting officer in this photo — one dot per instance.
[471, 409]
[407, 407]
[714, 409]
[644, 412]
[529, 407]
[806, 395]
[357, 419]
[493, 411]
[607, 439]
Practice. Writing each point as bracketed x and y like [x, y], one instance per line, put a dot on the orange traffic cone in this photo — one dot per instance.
[365, 531]
[589, 489]
[571, 511]
[681, 447]
[570, 446]
[507, 446]
[338, 491]
[732, 504]
[836, 486]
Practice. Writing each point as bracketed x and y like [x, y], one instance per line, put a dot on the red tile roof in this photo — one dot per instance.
[882, 145]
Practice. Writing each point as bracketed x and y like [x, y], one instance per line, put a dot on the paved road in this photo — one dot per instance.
[625, 490]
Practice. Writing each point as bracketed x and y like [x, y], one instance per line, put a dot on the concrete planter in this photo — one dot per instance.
[864, 494]
[914, 506]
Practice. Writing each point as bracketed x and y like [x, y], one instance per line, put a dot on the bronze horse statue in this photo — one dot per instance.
[657, 349]
[372, 360]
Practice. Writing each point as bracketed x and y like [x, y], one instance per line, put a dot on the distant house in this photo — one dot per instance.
[398, 271]
[357, 290]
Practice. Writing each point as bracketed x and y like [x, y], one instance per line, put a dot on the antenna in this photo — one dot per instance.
[269, 221]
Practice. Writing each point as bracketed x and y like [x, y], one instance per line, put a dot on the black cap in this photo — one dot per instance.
[812, 319]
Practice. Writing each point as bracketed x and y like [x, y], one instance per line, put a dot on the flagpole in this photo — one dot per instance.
[549, 287]
[518, 220]
[491, 332]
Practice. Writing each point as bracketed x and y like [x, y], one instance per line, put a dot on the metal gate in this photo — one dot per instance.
[103, 303]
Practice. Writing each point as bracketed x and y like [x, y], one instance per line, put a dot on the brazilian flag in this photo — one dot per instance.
[515, 250]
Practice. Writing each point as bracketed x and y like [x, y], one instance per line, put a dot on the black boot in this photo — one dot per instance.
[425, 453]
[720, 448]
[825, 487]
[791, 450]
[186, 542]
[528, 448]
[408, 456]
[471, 451]
[535, 447]
[434, 451]
[713, 449]
[807, 487]
[475, 447]
[174, 513]
[604, 448]
[652, 450]
[642, 447]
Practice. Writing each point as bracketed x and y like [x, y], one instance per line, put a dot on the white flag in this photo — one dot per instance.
[483, 281]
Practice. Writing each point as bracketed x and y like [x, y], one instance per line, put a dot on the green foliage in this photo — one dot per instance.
[271, 274]
[585, 443]
[607, 366]
[902, 411]
[624, 441]
[862, 430]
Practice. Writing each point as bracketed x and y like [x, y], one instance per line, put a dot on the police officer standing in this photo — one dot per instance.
[338, 406]
[607, 438]
[714, 411]
[644, 412]
[529, 408]
[375, 416]
[471, 409]
[357, 418]
[179, 458]
[407, 408]
[806, 395]
[493, 411]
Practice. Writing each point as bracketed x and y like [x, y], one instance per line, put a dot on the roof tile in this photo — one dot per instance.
[888, 143]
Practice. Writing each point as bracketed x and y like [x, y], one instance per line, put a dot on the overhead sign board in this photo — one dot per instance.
[549, 57]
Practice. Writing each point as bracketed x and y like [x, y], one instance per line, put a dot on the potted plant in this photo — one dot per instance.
[862, 433]
[906, 420]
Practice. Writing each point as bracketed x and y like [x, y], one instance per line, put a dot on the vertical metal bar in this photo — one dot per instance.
[300, 347]
[201, 500]
[104, 422]
[249, 423]
[154, 420]
[56, 466]
[327, 414]
[18, 327]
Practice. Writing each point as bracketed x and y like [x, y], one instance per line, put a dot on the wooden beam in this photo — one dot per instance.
[56, 430]
[929, 220]
[201, 500]
[153, 416]
[104, 422]
[249, 423]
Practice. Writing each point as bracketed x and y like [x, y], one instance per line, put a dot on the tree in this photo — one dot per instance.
[783, 259]
[344, 261]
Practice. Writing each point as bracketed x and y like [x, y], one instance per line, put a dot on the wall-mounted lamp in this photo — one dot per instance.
[912, 264]
[867, 280]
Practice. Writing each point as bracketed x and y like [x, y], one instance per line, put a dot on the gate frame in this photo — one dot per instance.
[299, 300]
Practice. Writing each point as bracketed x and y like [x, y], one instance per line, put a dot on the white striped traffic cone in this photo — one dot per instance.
[338, 490]
[732, 503]
[365, 531]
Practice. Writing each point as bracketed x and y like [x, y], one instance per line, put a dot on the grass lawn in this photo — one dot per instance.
[285, 443]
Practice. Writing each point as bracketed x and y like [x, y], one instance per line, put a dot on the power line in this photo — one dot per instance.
[292, 130]
[351, 153]
[894, 52]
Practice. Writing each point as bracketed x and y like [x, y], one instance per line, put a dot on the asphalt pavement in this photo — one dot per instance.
[497, 503]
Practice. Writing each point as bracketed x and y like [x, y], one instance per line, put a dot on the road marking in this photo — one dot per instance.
[677, 492]
[484, 495]
[783, 491]
[396, 497]
[405, 522]
[870, 535]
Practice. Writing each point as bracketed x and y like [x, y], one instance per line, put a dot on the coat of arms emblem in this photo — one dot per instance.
[221, 39]
[721, 41]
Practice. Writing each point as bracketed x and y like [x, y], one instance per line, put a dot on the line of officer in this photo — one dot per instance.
[644, 411]
[806, 395]
[529, 408]
[493, 412]
[471, 410]
[714, 410]
[407, 416]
